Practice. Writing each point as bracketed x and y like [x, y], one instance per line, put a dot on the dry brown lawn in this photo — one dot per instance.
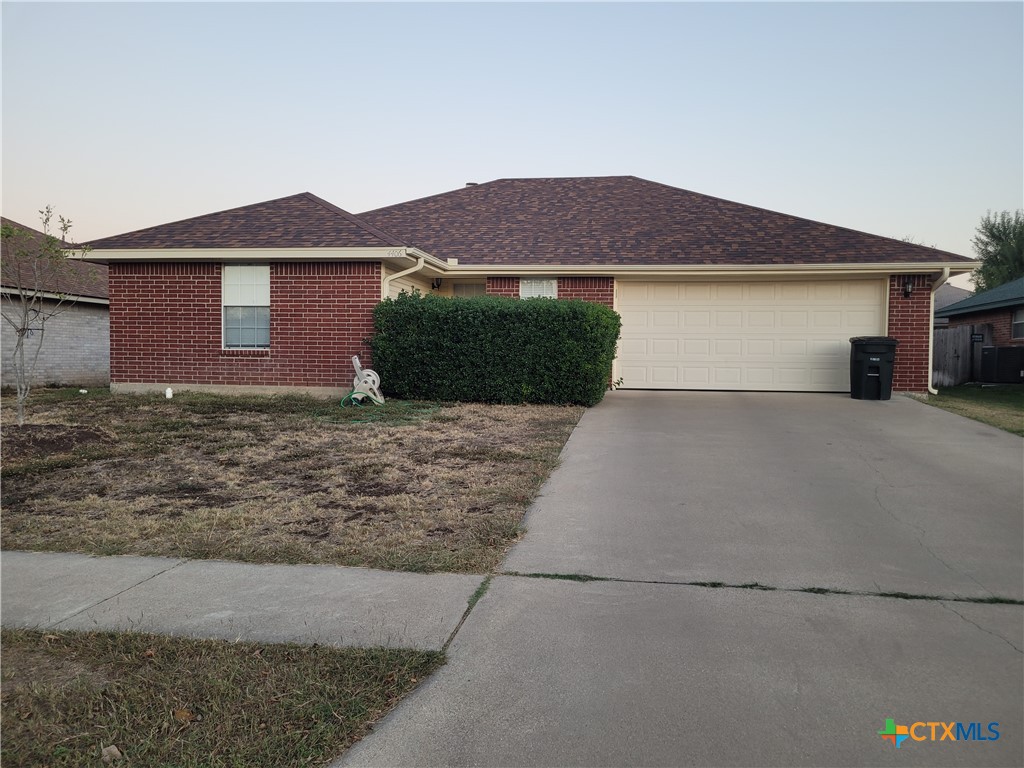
[164, 701]
[409, 486]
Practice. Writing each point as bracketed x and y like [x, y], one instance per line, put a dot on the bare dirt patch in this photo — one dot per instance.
[411, 486]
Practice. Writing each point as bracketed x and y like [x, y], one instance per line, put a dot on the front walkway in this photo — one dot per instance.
[208, 598]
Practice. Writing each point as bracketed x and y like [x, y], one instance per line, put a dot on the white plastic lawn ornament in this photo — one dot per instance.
[365, 386]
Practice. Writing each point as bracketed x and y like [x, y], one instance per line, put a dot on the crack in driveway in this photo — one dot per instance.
[986, 631]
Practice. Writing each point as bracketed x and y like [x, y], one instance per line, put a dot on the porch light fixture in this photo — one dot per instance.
[908, 288]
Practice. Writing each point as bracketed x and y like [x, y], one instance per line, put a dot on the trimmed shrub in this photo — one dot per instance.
[491, 349]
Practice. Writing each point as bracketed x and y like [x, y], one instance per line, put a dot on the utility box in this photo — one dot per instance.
[872, 359]
[1002, 365]
[989, 357]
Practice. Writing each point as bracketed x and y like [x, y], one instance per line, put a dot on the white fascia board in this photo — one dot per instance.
[70, 298]
[399, 255]
[639, 271]
[246, 254]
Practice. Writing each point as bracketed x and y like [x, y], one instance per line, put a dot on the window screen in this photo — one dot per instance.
[531, 289]
[246, 301]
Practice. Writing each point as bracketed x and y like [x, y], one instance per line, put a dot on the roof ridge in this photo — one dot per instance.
[352, 218]
[477, 184]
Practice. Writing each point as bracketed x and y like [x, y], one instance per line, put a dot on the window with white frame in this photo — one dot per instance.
[533, 288]
[246, 300]
[1017, 329]
[468, 289]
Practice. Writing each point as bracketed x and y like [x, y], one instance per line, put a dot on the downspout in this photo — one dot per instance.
[931, 327]
[385, 287]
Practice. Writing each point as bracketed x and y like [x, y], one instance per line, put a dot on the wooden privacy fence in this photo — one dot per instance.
[956, 358]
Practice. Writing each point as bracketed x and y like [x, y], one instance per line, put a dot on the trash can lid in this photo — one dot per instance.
[874, 340]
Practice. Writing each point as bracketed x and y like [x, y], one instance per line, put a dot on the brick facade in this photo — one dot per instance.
[600, 290]
[1001, 321]
[165, 325]
[597, 289]
[503, 286]
[910, 322]
[75, 347]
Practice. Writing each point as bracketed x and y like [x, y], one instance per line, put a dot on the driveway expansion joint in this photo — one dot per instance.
[581, 577]
[471, 604]
[169, 568]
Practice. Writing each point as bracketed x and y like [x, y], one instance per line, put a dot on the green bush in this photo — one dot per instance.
[494, 350]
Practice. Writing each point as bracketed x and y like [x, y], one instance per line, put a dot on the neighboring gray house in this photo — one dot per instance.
[76, 342]
[946, 295]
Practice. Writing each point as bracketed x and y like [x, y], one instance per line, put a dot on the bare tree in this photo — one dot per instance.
[33, 275]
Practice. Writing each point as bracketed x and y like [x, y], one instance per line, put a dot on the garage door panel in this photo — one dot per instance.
[633, 348]
[760, 348]
[761, 319]
[728, 347]
[664, 374]
[760, 291]
[823, 319]
[745, 335]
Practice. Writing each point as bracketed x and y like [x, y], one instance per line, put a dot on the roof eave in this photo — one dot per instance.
[401, 254]
[987, 307]
[706, 270]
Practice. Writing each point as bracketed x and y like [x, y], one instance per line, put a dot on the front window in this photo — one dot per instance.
[465, 290]
[532, 289]
[1017, 329]
[246, 301]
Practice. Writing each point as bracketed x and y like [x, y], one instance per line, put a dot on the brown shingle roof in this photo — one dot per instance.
[74, 278]
[298, 221]
[619, 220]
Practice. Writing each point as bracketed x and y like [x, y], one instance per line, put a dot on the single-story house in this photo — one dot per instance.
[76, 342]
[1002, 308]
[713, 294]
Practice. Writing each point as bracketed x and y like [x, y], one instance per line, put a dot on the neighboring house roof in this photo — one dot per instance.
[297, 221]
[625, 220]
[1007, 295]
[949, 294]
[73, 278]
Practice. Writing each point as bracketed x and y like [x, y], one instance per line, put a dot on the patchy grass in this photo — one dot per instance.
[287, 479]
[170, 701]
[999, 405]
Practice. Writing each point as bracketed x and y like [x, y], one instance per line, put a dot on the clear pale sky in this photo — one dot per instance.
[897, 119]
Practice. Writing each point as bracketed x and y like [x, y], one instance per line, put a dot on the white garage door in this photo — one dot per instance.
[745, 335]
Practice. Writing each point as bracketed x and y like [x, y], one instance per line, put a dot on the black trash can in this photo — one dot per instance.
[871, 364]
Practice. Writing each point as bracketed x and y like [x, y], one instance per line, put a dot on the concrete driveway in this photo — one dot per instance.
[788, 490]
[660, 498]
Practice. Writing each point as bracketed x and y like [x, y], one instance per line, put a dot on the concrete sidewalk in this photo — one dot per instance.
[233, 601]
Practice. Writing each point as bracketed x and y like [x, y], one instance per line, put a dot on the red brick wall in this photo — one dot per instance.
[1001, 321]
[165, 325]
[910, 322]
[503, 286]
[596, 289]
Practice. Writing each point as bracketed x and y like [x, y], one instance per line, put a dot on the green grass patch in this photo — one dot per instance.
[479, 592]
[182, 702]
[998, 405]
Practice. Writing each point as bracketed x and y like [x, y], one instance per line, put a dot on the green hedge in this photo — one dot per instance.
[494, 350]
